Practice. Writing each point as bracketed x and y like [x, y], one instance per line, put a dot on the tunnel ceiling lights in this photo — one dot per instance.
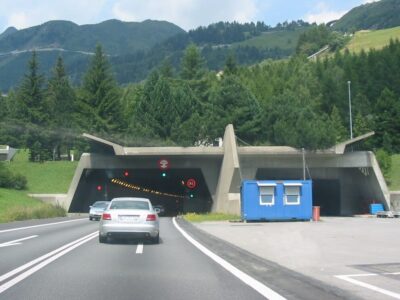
[142, 189]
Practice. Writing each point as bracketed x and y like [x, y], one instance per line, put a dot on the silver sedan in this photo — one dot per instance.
[129, 217]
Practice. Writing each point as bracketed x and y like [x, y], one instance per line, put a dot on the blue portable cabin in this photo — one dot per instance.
[276, 200]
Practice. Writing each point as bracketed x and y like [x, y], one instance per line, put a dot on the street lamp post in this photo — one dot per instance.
[350, 117]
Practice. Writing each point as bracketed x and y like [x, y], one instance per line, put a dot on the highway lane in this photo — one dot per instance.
[46, 236]
[173, 269]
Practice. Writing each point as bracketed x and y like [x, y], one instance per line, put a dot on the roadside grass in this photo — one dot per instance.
[17, 206]
[50, 177]
[394, 174]
[194, 217]
[47, 178]
[372, 39]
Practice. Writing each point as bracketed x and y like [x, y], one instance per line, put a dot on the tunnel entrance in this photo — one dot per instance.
[169, 188]
[326, 195]
[326, 192]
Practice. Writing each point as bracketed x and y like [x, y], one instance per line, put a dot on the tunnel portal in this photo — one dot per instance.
[169, 188]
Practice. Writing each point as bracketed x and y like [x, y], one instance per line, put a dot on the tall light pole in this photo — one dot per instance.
[350, 117]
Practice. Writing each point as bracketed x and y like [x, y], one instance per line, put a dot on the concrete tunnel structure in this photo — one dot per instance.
[345, 182]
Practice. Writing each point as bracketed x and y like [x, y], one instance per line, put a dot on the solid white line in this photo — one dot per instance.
[370, 274]
[39, 266]
[368, 286]
[139, 249]
[255, 284]
[39, 259]
[41, 225]
[16, 242]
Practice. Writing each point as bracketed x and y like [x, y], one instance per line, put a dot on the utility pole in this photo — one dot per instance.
[350, 116]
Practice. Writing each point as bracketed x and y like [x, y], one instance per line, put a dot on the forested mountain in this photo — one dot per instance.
[375, 15]
[135, 49]
[76, 44]
[117, 37]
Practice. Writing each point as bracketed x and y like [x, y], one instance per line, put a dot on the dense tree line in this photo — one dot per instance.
[294, 102]
[226, 32]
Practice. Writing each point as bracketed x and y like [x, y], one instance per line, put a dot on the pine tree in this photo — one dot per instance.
[192, 64]
[231, 67]
[34, 111]
[387, 124]
[337, 124]
[99, 100]
[234, 104]
[61, 97]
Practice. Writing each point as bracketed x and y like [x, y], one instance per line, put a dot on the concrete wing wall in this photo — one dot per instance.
[227, 198]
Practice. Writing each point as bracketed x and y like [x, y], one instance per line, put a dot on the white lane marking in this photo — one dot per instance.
[369, 286]
[16, 242]
[255, 284]
[139, 249]
[44, 263]
[41, 225]
[39, 259]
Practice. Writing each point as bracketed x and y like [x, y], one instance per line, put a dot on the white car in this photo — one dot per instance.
[129, 217]
[96, 209]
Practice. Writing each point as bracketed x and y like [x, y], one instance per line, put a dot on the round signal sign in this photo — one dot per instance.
[163, 164]
[191, 183]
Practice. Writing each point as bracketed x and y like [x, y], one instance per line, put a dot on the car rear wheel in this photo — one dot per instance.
[156, 239]
[102, 239]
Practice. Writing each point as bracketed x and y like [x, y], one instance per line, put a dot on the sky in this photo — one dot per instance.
[188, 14]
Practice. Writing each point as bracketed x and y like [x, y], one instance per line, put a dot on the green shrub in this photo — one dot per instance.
[11, 180]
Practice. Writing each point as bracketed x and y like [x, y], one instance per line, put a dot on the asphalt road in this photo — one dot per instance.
[66, 261]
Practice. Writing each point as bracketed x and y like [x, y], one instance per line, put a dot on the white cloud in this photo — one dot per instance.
[188, 14]
[323, 14]
[22, 14]
[18, 20]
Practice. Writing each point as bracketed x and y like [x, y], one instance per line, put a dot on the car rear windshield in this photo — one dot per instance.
[100, 204]
[130, 205]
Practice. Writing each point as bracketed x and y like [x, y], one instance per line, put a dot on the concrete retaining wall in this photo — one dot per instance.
[395, 200]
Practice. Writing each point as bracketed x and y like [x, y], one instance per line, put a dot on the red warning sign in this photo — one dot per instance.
[191, 183]
[163, 164]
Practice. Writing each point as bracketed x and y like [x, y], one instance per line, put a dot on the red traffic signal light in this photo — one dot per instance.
[126, 173]
[99, 188]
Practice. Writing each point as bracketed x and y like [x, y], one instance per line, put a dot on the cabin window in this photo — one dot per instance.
[292, 194]
[267, 195]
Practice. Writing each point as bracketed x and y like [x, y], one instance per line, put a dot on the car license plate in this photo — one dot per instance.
[129, 218]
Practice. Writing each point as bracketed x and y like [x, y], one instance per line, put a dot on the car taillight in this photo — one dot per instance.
[151, 217]
[106, 216]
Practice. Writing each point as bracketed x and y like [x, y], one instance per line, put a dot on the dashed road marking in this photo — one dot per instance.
[41, 225]
[17, 242]
[139, 249]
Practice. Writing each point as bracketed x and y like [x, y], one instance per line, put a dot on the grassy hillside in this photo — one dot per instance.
[17, 205]
[275, 39]
[47, 177]
[394, 175]
[50, 177]
[372, 39]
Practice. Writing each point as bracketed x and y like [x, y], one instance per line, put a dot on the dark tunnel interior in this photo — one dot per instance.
[326, 193]
[178, 190]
